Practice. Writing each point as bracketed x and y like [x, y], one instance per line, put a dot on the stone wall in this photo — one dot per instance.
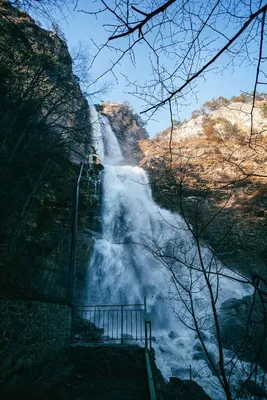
[32, 336]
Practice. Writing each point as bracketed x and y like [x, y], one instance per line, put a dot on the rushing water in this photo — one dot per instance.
[141, 246]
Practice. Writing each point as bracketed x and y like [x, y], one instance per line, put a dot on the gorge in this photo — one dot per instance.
[179, 219]
[143, 249]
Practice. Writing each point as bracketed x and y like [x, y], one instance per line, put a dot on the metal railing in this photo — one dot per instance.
[72, 273]
[120, 323]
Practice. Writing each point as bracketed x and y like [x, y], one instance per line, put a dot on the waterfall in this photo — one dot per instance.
[97, 133]
[140, 246]
[104, 139]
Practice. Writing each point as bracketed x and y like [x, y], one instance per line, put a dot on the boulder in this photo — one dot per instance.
[201, 355]
[178, 389]
[255, 390]
[86, 331]
[127, 336]
[242, 328]
[173, 335]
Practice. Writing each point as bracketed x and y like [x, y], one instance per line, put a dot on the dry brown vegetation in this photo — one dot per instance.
[212, 175]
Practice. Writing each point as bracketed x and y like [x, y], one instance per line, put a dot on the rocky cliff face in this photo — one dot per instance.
[225, 116]
[45, 130]
[217, 178]
[44, 135]
[128, 127]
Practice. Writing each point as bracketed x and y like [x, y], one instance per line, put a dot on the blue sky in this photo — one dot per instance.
[80, 27]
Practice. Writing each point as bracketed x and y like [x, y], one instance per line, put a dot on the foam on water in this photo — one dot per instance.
[104, 139]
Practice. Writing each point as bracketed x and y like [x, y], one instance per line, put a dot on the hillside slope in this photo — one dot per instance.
[217, 177]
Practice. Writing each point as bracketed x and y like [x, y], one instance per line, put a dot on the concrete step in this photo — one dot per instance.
[105, 372]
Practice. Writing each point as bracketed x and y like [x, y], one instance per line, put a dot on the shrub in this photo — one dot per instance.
[242, 98]
[214, 104]
[263, 110]
[208, 126]
[175, 122]
[99, 107]
[230, 131]
[261, 96]
[195, 114]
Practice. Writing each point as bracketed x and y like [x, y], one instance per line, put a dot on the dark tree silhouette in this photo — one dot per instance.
[44, 123]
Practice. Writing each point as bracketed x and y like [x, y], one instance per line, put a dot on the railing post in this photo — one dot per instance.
[72, 274]
[121, 324]
[150, 335]
[145, 322]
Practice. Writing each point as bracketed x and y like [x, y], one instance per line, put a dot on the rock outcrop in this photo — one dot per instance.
[217, 179]
[243, 329]
[232, 114]
[45, 131]
[33, 335]
[44, 136]
[128, 128]
[178, 389]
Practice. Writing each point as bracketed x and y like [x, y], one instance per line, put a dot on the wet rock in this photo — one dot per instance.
[230, 304]
[127, 336]
[255, 390]
[162, 349]
[173, 335]
[242, 328]
[260, 213]
[201, 355]
[85, 330]
[203, 336]
[178, 389]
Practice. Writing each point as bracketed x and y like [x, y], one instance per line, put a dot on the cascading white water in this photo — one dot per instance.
[104, 140]
[141, 246]
[97, 132]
